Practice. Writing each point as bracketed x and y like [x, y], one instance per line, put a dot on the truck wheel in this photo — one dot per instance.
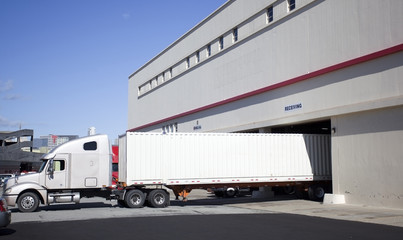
[28, 202]
[158, 198]
[316, 192]
[135, 199]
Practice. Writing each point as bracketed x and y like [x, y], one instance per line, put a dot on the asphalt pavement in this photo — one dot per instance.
[232, 226]
[205, 216]
[202, 203]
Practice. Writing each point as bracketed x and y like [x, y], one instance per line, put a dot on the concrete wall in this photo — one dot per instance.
[367, 155]
[371, 85]
[312, 37]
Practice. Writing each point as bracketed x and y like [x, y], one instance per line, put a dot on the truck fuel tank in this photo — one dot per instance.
[73, 197]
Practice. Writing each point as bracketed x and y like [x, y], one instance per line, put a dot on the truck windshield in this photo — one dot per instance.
[43, 164]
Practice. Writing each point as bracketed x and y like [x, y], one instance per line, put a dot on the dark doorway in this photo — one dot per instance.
[320, 127]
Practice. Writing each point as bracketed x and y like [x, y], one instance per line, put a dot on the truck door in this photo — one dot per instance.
[56, 174]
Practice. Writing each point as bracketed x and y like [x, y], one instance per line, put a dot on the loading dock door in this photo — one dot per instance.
[320, 127]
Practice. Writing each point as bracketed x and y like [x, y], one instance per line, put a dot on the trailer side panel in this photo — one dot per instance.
[208, 158]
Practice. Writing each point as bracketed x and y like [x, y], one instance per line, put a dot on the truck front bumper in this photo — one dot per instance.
[10, 199]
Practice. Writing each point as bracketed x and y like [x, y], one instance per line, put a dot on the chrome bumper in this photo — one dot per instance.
[11, 199]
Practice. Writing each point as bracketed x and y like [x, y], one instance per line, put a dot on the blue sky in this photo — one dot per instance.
[64, 65]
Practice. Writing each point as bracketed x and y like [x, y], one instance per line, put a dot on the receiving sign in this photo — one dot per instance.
[292, 107]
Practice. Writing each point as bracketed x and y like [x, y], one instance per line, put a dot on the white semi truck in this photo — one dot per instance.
[149, 163]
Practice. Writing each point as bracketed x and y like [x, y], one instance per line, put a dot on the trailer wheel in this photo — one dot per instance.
[316, 192]
[158, 198]
[28, 202]
[230, 192]
[135, 199]
[289, 190]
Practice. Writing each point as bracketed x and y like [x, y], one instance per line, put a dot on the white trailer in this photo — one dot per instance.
[186, 161]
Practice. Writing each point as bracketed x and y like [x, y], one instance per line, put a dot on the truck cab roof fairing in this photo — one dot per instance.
[71, 146]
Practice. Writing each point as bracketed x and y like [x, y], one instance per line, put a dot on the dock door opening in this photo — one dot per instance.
[320, 127]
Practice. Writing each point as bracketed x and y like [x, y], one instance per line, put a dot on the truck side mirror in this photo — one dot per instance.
[51, 169]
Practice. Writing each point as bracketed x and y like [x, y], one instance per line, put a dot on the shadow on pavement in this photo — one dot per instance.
[209, 200]
[212, 200]
[59, 207]
[6, 231]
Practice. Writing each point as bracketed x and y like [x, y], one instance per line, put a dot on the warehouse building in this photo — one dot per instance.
[290, 66]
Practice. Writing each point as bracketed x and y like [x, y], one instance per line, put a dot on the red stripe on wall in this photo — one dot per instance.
[301, 78]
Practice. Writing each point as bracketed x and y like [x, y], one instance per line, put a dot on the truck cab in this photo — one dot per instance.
[76, 169]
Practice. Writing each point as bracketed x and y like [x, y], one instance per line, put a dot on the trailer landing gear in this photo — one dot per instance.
[181, 191]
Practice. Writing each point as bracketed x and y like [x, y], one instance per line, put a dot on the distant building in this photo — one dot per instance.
[40, 143]
[53, 141]
[16, 152]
